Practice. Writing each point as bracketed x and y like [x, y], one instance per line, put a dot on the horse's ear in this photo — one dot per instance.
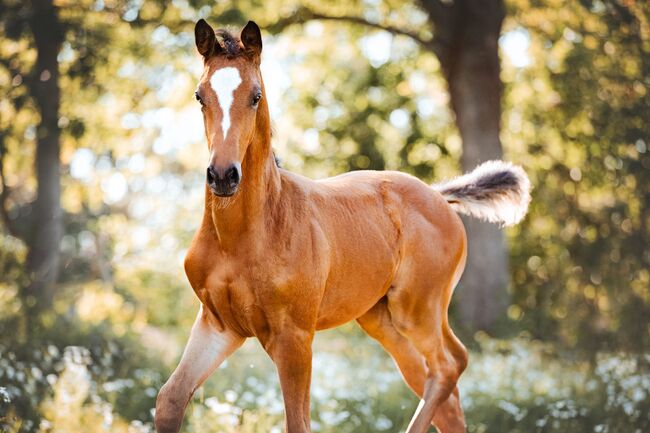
[251, 37]
[206, 41]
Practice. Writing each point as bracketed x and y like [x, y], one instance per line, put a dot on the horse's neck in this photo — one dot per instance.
[246, 210]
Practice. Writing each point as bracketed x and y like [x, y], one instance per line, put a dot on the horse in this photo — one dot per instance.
[279, 256]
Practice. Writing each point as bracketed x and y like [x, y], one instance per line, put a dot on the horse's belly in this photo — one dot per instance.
[340, 314]
[355, 286]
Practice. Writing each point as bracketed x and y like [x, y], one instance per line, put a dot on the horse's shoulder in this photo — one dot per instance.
[200, 258]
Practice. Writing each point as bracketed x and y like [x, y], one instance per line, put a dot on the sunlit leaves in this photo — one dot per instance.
[591, 182]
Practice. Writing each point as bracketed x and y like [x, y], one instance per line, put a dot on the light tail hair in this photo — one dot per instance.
[495, 191]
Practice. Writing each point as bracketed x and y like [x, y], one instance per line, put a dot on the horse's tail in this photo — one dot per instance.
[495, 191]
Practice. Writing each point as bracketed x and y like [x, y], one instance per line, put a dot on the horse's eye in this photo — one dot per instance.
[256, 98]
[198, 98]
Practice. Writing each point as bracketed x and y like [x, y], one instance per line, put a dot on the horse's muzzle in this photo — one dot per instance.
[224, 182]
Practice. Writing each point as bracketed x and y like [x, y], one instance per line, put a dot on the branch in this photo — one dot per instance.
[303, 15]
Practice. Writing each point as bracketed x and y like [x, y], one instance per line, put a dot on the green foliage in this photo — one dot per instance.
[523, 386]
[63, 374]
[370, 110]
[580, 260]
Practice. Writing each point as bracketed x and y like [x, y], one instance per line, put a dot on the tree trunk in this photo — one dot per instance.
[44, 244]
[467, 33]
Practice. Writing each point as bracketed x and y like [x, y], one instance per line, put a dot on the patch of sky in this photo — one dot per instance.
[400, 118]
[82, 164]
[114, 188]
[130, 121]
[426, 106]
[311, 143]
[376, 47]
[132, 10]
[515, 45]
[275, 69]
[66, 54]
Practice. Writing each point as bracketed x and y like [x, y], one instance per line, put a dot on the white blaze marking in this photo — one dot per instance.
[224, 82]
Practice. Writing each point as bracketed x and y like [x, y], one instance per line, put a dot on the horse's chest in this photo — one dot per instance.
[240, 296]
[258, 291]
[230, 296]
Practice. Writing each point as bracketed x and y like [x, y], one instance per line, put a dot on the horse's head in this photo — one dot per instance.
[230, 92]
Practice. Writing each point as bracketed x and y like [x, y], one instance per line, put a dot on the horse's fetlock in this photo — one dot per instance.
[170, 408]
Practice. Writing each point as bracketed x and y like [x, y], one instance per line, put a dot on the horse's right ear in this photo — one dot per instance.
[206, 41]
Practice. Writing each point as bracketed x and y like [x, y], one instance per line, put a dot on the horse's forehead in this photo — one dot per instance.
[225, 72]
[225, 80]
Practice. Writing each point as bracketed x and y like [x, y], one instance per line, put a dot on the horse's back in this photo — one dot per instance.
[405, 198]
[396, 204]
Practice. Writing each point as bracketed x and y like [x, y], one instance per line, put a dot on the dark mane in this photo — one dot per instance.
[230, 43]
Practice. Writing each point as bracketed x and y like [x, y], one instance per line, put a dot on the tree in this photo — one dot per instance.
[44, 251]
[467, 33]
[42, 83]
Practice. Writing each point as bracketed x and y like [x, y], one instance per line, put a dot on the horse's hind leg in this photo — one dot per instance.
[438, 400]
[377, 323]
[418, 303]
[445, 359]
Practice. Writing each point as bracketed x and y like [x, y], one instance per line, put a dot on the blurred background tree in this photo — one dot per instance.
[100, 154]
[584, 277]
[42, 84]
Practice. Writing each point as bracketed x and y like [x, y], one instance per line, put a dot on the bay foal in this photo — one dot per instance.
[279, 256]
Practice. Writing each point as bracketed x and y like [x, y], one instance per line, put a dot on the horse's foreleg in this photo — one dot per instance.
[206, 349]
[291, 353]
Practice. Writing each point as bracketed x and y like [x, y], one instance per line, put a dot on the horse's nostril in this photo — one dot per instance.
[223, 182]
[211, 177]
[232, 175]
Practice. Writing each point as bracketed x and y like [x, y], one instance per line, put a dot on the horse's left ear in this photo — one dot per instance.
[251, 37]
[206, 41]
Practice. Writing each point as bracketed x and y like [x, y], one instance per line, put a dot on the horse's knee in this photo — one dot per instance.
[449, 370]
[462, 359]
[170, 409]
[445, 366]
[458, 353]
